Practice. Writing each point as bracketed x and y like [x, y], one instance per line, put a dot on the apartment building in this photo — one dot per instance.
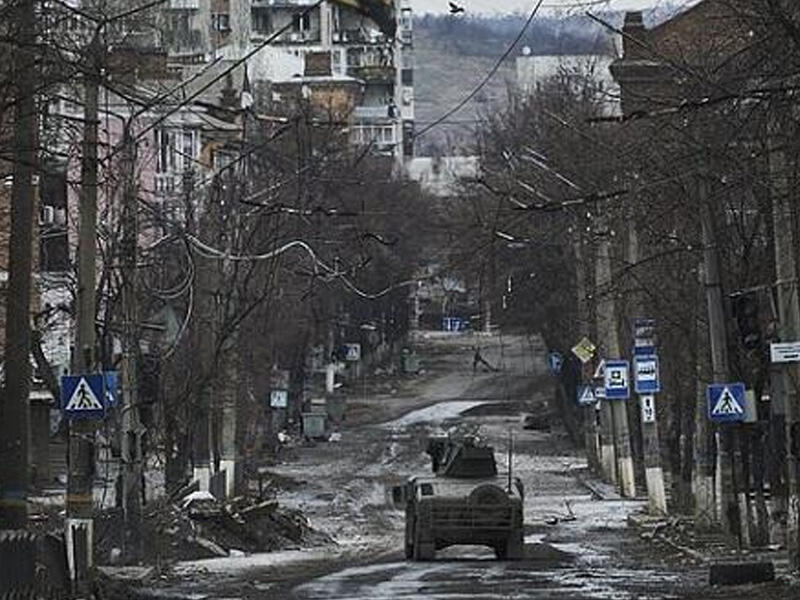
[367, 40]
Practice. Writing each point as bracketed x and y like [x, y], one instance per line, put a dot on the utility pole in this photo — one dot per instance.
[789, 330]
[79, 524]
[654, 473]
[203, 340]
[609, 339]
[727, 507]
[608, 459]
[131, 445]
[14, 411]
[591, 440]
[705, 512]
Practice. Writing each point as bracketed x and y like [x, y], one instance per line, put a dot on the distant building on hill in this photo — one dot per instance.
[578, 71]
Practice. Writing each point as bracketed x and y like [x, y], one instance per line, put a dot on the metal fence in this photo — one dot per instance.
[32, 565]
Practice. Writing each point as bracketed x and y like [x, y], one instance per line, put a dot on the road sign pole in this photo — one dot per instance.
[654, 473]
[647, 384]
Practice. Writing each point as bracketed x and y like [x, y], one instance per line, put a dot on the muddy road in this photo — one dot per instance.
[577, 540]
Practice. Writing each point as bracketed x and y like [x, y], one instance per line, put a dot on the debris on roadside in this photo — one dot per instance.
[200, 526]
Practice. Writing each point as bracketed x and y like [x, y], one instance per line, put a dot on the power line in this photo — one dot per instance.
[488, 76]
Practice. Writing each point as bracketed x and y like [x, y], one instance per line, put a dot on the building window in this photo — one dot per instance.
[177, 150]
[189, 150]
[261, 21]
[165, 143]
[221, 22]
[301, 22]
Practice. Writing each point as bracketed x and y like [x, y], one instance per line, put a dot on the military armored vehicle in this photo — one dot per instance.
[465, 501]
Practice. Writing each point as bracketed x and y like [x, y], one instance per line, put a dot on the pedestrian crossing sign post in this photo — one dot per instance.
[83, 396]
[726, 402]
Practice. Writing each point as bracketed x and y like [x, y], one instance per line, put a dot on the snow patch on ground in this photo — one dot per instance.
[433, 414]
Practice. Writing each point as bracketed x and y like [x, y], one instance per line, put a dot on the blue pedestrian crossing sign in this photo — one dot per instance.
[726, 402]
[83, 396]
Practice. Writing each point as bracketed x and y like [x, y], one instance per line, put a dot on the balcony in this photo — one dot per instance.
[296, 37]
[359, 36]
[184, 4]
[372, 73]
[372, 113]
[167, 183]
[281, 3]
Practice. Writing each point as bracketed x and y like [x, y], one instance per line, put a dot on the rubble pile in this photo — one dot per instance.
[200, 526]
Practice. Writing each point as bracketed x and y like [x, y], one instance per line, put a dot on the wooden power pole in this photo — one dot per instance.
[14, 413]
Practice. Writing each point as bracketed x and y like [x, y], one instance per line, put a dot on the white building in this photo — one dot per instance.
[534, 71]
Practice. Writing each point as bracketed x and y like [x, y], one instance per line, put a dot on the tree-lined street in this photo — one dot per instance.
[253, 255]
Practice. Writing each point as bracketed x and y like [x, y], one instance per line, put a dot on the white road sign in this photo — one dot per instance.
[648, 406]
[279, 398]
[600, 371]
[783, 352]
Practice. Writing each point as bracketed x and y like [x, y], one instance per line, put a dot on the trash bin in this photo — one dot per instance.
[410, 363]
[314, 425]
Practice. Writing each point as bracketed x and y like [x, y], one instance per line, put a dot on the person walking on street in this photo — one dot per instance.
[477, 359]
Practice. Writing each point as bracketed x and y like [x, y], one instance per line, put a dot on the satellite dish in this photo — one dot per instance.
[526, 51]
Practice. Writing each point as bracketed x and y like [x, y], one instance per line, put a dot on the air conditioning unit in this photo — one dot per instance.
[294, 37]
[336, 36]
[61, 217]
[47, 215]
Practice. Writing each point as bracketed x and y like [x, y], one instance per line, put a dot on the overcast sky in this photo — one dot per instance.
[508, 6]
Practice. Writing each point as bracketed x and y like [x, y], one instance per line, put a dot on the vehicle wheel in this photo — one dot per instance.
[426, 551]
[514, 547]
[423, 550]
[411, 527]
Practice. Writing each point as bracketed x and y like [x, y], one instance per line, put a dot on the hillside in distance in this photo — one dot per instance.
[453, 54]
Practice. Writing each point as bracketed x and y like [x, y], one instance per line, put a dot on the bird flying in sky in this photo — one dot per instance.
[455, 8]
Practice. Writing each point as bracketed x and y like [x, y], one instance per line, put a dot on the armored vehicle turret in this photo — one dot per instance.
[465, 501]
